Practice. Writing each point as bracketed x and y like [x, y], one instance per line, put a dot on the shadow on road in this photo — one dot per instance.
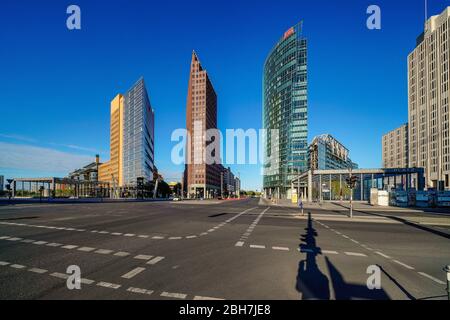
[312, 283]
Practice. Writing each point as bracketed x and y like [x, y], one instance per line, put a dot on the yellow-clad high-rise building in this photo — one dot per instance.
[131, 139]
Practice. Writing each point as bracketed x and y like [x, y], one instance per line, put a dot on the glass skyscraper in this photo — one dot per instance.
[138, 142]
[285, 109]
[131, 139]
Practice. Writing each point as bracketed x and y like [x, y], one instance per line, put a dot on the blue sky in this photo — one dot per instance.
[56, 85]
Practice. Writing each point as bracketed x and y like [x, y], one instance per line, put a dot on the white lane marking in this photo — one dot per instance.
[173, 295]
[355, 254]
[129, 234]
[108, 285]
[239, 244]
[14, 239]
[157, 238]
[403, 265]
[175, 238]
[347, 237]
[255, 246]
[353, 240]
[204, 233]
[431, 277]
[103, 251]
[103, 232]
[133, 273]
[53, 244]
[155, 260]
[143, 236]
[3, 263]
[87, 281]
[382, 254]
[139, 290]
[86, 249]
[29, 241]
[206, 298]
[191, 237]
[329, 252]
[40, 242]
[59, 275]
[37, 270]
[143, 257]
[116, 233]
[280, 248]
[4, 237]
[17, 266]
[211, 230]
[70, 247]
[121, 254]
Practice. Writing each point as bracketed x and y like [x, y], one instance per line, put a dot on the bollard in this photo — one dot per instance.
[447, 270]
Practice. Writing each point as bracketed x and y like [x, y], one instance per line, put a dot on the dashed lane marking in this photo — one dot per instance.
[382, 254]
[108, 285]
[281, 248]
[121, 254]
[37, 270]
[256, 246]
[329, 252]
[59, 275]
[86, 249]
[403, 264]
[173, 295]
[104, 251]
[205, 298]
[355, 254]
[104, 284]
[143, 257]
[133, 273]
[69, 247]
[140, 291]
[431, 278]
[155, 260]
[239, 244]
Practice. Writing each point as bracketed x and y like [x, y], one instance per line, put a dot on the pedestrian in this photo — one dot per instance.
[300, 205]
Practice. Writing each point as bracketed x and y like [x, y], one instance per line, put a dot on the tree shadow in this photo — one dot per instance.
[313, 284]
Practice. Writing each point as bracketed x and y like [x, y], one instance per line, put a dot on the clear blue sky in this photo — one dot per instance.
[56, 84]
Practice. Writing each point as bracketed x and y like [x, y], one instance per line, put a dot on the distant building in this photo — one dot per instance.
[132, 139]
[2, 183]
[326, 153]
[429, 102]
[88, 172]
[201, 179]
[395, 148]
[285, 108]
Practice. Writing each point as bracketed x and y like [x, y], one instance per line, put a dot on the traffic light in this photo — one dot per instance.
[351, 181]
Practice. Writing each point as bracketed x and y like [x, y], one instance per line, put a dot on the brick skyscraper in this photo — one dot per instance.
[201, 179]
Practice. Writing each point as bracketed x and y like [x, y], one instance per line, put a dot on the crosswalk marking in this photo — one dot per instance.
[173, 295]
[143, 257]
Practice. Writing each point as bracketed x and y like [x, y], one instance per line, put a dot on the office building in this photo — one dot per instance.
[395, 148]
[202, 178]
[286, 110]
[428, 102]
[327, 153]
[88, 172]
[131, 139]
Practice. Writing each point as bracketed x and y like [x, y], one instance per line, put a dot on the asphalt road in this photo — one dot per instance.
[228, 250]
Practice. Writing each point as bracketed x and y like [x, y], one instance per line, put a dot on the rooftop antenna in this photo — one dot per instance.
[426, 11]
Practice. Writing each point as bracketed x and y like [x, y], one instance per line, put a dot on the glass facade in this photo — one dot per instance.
[138, 141]
[326, 153]
[285, 101]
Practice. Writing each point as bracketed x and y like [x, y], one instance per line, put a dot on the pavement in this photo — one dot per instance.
[204, 250]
